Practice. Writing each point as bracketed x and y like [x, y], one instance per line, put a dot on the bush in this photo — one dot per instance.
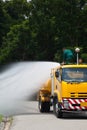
[84, 57]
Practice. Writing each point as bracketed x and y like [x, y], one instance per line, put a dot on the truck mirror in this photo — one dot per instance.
[57, 74]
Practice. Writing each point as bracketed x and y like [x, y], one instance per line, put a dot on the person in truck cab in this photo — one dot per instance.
[80, 61]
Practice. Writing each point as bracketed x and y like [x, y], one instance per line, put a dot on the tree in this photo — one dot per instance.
[16, 43]
[39, 29]
[4, 22]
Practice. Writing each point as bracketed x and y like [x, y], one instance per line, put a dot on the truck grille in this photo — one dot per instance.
[78, 95]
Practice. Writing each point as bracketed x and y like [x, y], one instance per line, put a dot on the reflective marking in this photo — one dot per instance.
[76, 101]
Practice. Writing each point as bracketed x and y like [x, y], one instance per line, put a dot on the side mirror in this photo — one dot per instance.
[57, 74]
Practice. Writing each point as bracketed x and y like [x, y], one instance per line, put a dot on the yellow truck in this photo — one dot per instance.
[66, 90]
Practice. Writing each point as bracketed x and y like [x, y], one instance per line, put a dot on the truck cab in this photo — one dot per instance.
[70, 91]
[66, 90]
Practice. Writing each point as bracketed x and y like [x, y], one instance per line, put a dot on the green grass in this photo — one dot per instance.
[9, 119]
[1, 118]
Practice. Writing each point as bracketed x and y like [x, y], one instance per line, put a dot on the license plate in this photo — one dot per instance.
[84, 104]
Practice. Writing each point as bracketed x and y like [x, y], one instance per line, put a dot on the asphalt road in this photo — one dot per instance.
[33, 120]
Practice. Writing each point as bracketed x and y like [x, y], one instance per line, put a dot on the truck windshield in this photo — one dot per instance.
[74, 74]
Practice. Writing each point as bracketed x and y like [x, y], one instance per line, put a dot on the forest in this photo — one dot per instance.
[37, 30]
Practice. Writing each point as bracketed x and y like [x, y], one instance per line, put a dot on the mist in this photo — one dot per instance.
[20, 83]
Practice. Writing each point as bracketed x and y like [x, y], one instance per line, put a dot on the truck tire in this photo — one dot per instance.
[44, 106]
[57, 108]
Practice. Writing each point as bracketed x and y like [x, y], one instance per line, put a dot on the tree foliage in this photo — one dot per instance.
[39, 29]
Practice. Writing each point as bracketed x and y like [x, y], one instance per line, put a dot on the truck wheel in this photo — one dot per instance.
[57, 109]
[41, 106]
[47, 106]
[44, 106]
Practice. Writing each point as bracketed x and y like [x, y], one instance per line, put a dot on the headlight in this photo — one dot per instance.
[66, 104]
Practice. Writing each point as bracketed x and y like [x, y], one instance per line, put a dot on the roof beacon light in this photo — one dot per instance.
[77, 50]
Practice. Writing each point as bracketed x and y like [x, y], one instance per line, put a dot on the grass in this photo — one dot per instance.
[1, 118]
[4, 119]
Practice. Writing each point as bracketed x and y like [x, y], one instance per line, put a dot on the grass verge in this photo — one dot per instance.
[1, 118]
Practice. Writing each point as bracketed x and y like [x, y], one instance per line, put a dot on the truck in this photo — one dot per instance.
[65, 90]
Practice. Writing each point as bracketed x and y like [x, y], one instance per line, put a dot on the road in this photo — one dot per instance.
[33, 120]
